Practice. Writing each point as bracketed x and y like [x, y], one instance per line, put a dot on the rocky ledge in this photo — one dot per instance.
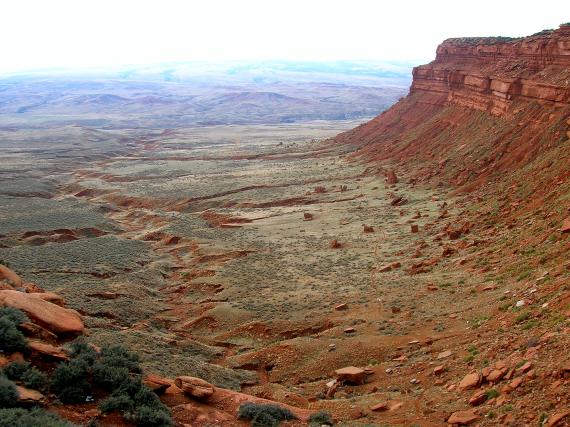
[490, 73]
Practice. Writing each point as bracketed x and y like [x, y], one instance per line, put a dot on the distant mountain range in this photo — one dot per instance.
[196, 94]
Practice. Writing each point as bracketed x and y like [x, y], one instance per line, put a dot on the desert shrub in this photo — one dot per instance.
[114, 367]
[153, 417]
[138, 403]
[8, 393]
[35, 379]
[80, 349]
[264, 415]
[69, 381]
[15, 370]
[320, 418]
[34, 418]
[11, 339]
[117, 402]
[14, 315]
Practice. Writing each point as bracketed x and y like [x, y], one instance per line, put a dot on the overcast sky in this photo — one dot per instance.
[87, 33]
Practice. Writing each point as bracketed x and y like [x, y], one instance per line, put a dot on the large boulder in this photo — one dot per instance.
[195, 387]
[30, 397]
[51, 316]
[8, 276]
[351, 374]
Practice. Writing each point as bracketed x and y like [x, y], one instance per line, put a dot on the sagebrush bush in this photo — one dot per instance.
[69, 381]
[35, 379]
[262, 415]
[80, 349]
[11, 339]
[8, 393]
[34, 418]
[14, 315]
[320, 418]
[152, 417]
[15, 370]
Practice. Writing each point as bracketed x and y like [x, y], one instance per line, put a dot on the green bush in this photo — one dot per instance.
[11, 339]
[14, 315]
[80, 349]
[69, 381]
[114, 367]
[28, 375]
[153, 417]
[15, 370]
[264, 415]
[34, 418]
[8, 393]
[136, 401]
[320, 418]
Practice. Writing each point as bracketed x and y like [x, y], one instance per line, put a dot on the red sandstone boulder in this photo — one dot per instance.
[30, 397]
[471, 380]
[47, 350]
[463, 418]
[351, 374]
[195, 387]
[8, 276]
[156, 383]
[51, 316]
[565, 226]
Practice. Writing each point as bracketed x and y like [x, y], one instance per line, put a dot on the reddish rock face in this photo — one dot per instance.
[195, 387]
[351, 374]
[51, 316]
[8, 276]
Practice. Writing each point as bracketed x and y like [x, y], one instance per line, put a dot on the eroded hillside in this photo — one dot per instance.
[411, 271]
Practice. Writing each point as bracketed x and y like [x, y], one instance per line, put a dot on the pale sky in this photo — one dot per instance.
[94, 33]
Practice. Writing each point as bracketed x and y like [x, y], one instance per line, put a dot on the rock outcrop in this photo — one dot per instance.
[54, 318]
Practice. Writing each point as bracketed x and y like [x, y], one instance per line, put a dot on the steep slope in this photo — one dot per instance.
[489, 119]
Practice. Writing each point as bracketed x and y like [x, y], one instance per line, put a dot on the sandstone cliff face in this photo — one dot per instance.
[489, 73]
[484, 107]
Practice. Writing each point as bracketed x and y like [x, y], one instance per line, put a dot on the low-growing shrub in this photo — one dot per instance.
[35, 379]
[320, 418]
[14, 315]
[69, 381]
[8, 393]
[11, 339]
[262, 415]
[138, 403]
[15, 370]
[34, 418]
[80, 349]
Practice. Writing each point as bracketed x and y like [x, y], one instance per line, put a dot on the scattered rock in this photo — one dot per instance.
[555, 419]
[444, 354]
[351, 374]
[478, 398]
[438, 370]
[471, 380]
[382, 406]
[463, 418]
[335, 244]
[342, 306]
[105, 295]
[367, 228]
[496, 375]
[195, 387]
[308, 216]
[385, 268]
[414, 228]
[565, 226]
[349, 330]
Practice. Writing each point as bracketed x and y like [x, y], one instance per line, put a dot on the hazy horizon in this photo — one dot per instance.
[65, 34]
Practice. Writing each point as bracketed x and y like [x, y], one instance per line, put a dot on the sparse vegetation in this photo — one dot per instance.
[262, 415]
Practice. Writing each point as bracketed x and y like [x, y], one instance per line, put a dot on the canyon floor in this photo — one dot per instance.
[259, 258]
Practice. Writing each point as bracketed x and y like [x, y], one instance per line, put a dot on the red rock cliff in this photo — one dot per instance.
[489, 73]
[482, 108]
